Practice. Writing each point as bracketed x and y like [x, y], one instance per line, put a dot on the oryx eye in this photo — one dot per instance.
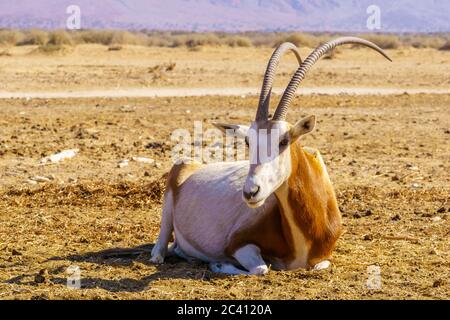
[284, 142]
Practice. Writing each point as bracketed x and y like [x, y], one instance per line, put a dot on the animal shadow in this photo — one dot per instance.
[173, 268]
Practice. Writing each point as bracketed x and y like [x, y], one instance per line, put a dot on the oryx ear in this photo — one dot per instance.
[302, 127]
[239, 130]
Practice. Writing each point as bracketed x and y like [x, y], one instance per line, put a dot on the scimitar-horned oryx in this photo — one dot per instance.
[280, 210]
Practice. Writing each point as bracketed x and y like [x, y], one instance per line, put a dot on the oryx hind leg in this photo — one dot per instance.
[249, 257]
[226, 268]
[159, 251]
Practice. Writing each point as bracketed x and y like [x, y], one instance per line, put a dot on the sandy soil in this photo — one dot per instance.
[388, 157]
[89, 67]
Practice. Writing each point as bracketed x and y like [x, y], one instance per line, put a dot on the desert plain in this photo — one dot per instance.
[388, 155]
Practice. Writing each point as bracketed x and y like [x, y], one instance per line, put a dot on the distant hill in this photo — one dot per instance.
[231, 15]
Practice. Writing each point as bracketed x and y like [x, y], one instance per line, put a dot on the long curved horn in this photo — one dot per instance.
[297, 78]
[266, 90]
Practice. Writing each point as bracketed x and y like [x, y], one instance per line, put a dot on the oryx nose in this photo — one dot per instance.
[252, 193]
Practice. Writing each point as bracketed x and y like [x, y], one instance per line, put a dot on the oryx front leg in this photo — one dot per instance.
[325, 264]
[160, 249]
[250, 258]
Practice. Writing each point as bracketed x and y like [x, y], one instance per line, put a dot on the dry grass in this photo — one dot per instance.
[194, 40]
[35, 37]
[59, 38]
[384, 41]
[10, 37]
[446, 46]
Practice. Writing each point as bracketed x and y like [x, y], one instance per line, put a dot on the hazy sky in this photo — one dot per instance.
[233, 15]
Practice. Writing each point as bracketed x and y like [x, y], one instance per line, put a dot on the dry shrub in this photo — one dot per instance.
[94, 36]
[10, 37]
[446, 46]
[194, 41]
[59, 38]
[301, 40]
[332, 54]
[239, 41]
[384, 41]
[35, 37]
[425, 42]
[202, 39]
[125, 37]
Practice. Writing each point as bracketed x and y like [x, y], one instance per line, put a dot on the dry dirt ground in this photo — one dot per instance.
[388, 157]
[94, 67]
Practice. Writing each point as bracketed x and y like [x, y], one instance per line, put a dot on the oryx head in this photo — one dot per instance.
[270, 139]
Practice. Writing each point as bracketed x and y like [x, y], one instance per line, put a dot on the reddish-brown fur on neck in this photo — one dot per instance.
[312, 199]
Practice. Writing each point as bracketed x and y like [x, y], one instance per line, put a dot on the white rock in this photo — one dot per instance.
[143, 160]
[436, 219]
[40, 179]
[57, 157]
[29, 181]
[122, 164]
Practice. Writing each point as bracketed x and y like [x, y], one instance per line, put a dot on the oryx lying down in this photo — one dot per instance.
[242, 216]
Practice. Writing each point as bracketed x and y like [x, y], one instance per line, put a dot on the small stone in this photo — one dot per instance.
[143, 160]
[396, 217]
[127, 108]
[415, 185]
[41, 277]
[368, 213]
[146, 174]
[72, 180]
[158, 165]
[438, 283]
[32, 182]
[395, 178]
[356, 216]
[433, 251]
[14, 252]
[367, 237]
[441, 210]
[436, 219]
